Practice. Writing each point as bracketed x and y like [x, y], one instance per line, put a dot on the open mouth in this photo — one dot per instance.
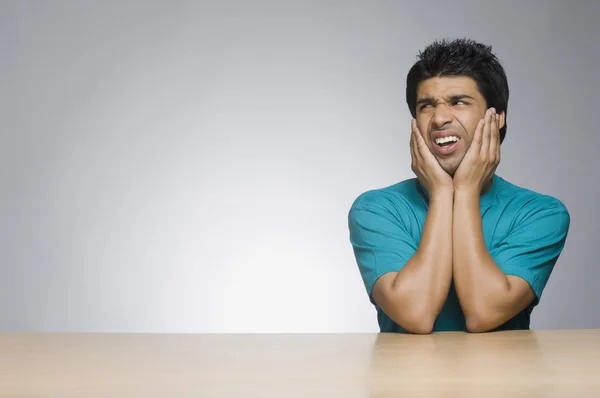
[446, 145]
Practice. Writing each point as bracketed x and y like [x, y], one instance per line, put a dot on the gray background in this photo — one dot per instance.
[188, 166]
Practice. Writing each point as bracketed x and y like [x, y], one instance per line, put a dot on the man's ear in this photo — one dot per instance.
[502, 120]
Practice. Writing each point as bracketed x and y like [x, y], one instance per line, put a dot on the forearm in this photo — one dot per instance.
[423, 283]
[480, 284]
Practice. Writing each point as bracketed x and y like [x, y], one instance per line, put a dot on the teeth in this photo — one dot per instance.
[446, 139]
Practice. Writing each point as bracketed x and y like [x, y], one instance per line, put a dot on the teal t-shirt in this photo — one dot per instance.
[524, 231]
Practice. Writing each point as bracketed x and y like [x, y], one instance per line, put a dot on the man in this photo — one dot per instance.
[458, 248]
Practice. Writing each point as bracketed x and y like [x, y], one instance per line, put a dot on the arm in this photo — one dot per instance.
[408, 283]
[487, 296]
[494, 287]
[414, 296]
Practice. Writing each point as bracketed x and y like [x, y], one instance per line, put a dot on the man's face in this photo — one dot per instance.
[448, 109]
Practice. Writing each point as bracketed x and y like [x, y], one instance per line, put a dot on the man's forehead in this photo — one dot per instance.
[445, 86]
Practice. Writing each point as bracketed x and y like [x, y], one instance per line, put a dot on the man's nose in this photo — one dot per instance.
[441, 116]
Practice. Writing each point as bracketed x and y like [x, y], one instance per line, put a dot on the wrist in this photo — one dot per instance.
[466, 193]
[443, 193]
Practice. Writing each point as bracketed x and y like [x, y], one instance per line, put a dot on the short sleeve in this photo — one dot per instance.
[380, 242]
[532, 248]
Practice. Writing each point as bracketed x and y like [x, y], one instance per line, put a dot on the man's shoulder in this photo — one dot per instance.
[405, 193]
[528, 201]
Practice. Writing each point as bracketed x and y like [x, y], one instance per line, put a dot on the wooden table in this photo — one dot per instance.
[505, 364]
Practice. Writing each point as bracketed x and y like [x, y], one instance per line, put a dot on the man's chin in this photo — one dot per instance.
[450, 169]
[450, 165]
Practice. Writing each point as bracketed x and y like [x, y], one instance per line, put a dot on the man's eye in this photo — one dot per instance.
[460, 103]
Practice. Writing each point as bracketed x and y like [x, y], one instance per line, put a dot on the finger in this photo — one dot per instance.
[491, 150]
[476, 141]
[413, 152]
[422, 147]
[498, 144]
[416, 135]
[494, 137]
[412, 144]
[485, 138]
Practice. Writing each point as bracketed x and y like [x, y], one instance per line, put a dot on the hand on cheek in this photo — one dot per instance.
[425, 165]
[482, 158]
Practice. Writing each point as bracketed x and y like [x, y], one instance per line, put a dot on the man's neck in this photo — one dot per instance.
[487, 185]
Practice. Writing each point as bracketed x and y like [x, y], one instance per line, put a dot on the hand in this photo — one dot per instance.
[482, 158]
[425, 165]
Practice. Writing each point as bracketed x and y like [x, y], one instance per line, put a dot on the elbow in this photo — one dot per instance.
[413, 314]
[476, 326]
[418, 322]
[412, 320]
[420, 328]
[479, 323]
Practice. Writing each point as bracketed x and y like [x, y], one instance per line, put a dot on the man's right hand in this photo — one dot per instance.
[425, 165]
[414, 296]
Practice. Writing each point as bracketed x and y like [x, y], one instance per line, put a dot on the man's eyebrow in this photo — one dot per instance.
[459, 97]
[452, 98]
[425, 100]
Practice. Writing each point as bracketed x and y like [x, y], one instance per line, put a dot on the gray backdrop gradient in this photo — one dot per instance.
[188, 166]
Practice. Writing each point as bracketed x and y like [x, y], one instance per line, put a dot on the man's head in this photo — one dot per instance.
[449, 89]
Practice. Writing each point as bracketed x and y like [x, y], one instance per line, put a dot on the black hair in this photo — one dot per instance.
[461, 57]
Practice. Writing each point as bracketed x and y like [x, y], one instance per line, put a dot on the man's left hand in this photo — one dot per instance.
[482, 158]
